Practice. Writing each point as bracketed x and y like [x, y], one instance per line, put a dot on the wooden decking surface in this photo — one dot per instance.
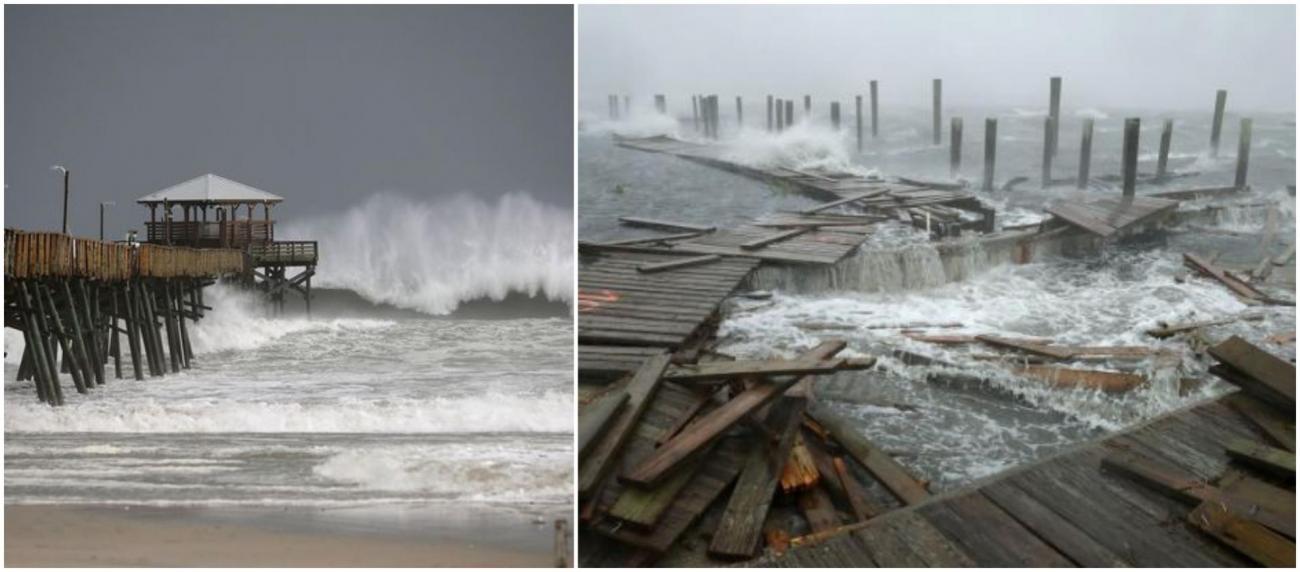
[821, 246]
[1106, 217]
[1065, 511]
[621, 305]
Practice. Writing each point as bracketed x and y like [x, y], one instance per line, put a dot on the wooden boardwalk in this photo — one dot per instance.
[1071, 510]
[623, 300]
[1109, 216]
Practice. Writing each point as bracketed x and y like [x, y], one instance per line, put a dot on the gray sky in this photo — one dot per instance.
[1154, 57]
[322, 105]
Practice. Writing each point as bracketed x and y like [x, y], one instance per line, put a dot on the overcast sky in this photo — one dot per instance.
[1152, 57]
[321, 105]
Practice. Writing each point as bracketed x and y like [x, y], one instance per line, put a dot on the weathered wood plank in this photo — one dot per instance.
[639, 390]
[891, 474]
[1027, 347]
[1269, 370]
[1064, 536]
[596, 417]
[1276, 461]
[1107, 381]
[778, 237]
[1268, 420]
[1257, 542]
[990, 535]
[666, 266]
[765, 368]
[664, 225]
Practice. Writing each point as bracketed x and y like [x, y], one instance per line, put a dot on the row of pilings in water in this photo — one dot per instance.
[78, 299]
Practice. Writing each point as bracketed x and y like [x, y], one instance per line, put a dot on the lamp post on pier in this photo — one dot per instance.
[64, 170]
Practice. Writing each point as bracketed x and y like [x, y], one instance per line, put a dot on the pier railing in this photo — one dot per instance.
[283, 253]
[49, 254]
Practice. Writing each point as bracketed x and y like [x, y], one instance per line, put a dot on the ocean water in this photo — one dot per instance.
[364, 404]
[955, 433]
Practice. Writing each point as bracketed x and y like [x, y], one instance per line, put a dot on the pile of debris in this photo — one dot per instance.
[1251, 506]
[659, 450]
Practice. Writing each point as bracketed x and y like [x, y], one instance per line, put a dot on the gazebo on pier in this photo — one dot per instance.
[210, 209]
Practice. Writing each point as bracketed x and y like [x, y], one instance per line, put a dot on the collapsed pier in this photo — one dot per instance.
[692, 457]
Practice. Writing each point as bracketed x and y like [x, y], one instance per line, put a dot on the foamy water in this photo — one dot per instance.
[954, 433]
[323, 411]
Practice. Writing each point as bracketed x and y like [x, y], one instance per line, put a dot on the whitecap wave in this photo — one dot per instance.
[803, 146]
[498, 472]
[432, 255]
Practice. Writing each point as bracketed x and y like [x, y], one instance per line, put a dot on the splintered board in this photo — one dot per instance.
[619, 305]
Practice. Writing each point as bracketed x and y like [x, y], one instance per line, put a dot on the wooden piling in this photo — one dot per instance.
[132, 329]
[90, 337]
[627, 107]
[613, 107]
[1216, 128]
[661, 104]
[938, 109]
[1054, 112]
[65, 339]
[1243, 154]
[789, 112]
[990, 151]
[1166, 137]
[857, 117]
[36, 334]
[780, 115]
[740, 113]
[835, 115]
[874, 125]
[807, 105]
[954, 154]
[1132, 129]
[1049, 126]
[695, 112]
[187, 352]
[769, 114]
[1085, 153]
[115, 340]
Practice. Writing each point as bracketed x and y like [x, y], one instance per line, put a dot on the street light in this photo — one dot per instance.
[63, 170]
[101, 217]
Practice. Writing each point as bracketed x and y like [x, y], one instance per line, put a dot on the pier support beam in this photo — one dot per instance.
[1085, 153]
[769, 114]
[857, 115]
[807, 105]
[740, 113]
[1243, 154]
[1162, 162]
[954, 154]
[835, 115]
[695, 112]
[661, 104]
[938, 110]
[1132, 129]
[1049, 127]
[874, 125]
[789, 112]
[780, 116]
[1054, 112]
[990, 151]
[1216, 128]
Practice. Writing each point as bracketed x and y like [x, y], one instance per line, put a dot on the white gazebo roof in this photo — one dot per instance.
[210, 188]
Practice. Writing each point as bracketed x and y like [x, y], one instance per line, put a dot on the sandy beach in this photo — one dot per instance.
[81, 536]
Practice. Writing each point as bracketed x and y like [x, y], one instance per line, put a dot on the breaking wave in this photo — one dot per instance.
[505, 472]
[804, 145]
[433, 255]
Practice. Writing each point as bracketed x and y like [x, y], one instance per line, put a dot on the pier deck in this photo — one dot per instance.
[1107, 217]
[627, 298]
[1079, 509]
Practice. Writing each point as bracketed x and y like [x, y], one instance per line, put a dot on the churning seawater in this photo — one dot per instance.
[315, 412]
[954, 433]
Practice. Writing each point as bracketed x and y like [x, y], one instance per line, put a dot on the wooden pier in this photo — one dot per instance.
[76, 296]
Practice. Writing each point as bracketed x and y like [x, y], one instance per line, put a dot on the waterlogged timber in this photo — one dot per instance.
[1016, 331]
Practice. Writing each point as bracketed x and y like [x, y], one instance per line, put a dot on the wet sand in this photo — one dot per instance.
[81, 536]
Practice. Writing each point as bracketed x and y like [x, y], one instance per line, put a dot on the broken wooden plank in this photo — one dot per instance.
[1273, 423]
[1107, 381]
[676, 264]
[1165, 329]
[653, 239]
[708, 427]
[800, 470]
[741, 527]
[844, 201]
[863, 508]
[644, 507]
[763, 368]
[639, 389]
[1263, 367]
[889, 472]
[1032, 348]
[1257, 542]
[664, 225]
[1236, 285]
[778, 237]
[1270, 459]
[1186, 487]
[595, 418]
[818, 510]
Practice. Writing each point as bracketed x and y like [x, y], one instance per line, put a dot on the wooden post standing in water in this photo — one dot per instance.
[780, 115]
[769, 114]
[857, 115]
[1049, 125]
[789, 112]
[835, 115]
[740, 113]
[695, 112]
[661, 104]
[613, 107]
[874, 130]
[1054, 112]
[807, 105]
[1132, 129]
[627, 106]
[938, 113]
[1243, 154]
[1216, 128]
[1085, 153]
[1166, 137]
[954, 155]
[990, 151]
